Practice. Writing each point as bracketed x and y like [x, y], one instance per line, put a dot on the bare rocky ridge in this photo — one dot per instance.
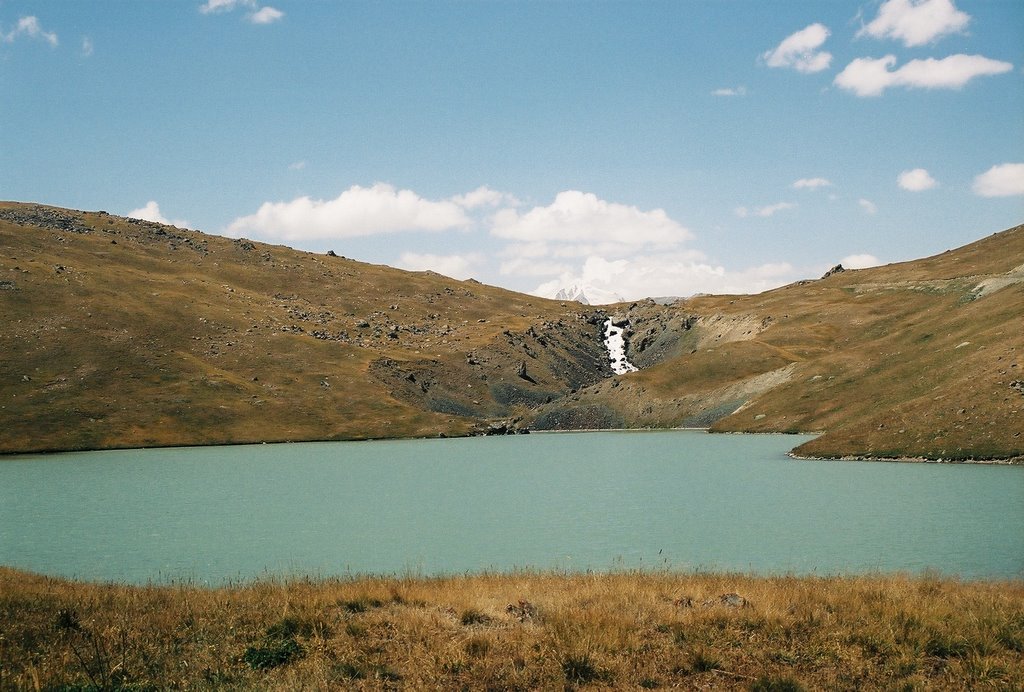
[122, 332]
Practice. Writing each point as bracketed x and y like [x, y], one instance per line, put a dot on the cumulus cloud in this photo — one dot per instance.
[871, 77]
[868, 206]
[455, 266]
[613, 249]
[583, 219]
[766, 211]
[87, 47]
[531, 266]
[484, 196]
[30, 27]
[667, 274]
[730, 91]
[811, 183]
[151, 212]
[800, 50]
[254, 13]
[265, 15]
[297, 166]
[916, 22]
[1004, 180]
[916, 180]
[358, 211]
[862, 261]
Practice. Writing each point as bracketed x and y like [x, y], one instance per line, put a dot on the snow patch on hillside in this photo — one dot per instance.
[615, 341]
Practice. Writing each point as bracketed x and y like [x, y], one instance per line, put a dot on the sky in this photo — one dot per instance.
[633, 148]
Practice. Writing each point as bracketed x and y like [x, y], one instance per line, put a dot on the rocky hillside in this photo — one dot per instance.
[919, 359]
[120, 332]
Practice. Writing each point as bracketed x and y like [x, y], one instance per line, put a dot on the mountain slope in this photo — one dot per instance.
[922, 358]
[120, 332]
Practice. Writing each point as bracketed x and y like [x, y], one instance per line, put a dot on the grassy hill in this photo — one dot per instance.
[918, 359]
[120, 332]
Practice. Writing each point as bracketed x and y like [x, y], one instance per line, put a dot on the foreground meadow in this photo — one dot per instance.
[516, 631]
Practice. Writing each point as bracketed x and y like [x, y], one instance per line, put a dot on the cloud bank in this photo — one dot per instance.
[607, 247]
[358, 211]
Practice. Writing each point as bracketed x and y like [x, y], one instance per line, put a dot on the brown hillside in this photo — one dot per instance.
[918, 359]
[121, 332]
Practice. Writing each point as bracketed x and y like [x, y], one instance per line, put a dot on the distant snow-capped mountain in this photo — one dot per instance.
[588, 295]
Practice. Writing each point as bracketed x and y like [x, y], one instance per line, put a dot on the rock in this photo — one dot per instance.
[838, 269]
[1017, 385]
[734, 600]
[331, 253]
[522, 611]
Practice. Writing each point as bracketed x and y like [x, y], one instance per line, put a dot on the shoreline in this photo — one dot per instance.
[916, 459]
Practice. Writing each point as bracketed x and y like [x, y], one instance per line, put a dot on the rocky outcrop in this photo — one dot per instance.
[838, 269]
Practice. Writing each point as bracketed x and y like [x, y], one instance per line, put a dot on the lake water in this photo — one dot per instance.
[601, 501]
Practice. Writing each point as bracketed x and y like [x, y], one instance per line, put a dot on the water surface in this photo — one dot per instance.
[617, 500]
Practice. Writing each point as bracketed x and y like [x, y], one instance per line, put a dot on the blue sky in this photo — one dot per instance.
[657, 148]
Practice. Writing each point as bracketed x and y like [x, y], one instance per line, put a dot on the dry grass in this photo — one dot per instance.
[121, 333]
[516, 631]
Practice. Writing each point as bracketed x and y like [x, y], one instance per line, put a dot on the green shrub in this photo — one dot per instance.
[773, 684]
[581, 670]
[273, 654]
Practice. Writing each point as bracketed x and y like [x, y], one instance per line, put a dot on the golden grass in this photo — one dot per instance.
[516, 631]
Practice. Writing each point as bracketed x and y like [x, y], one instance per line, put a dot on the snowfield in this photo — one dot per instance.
[615, 342]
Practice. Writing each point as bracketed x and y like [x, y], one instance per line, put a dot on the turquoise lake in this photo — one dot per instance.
[604, 501]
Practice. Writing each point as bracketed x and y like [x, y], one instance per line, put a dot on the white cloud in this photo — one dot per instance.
[265, 15]
[455, 266]
[800, 50]
[151, 212]
[916, 22]
[30, 27]
[584, 219]
[255, 14]
[484, 196]
[862, 261]
[811, 183]
[358, 211]
[916, 180]
[216, 6]
[1004, 180]
[730, 91]
[666, 274]
[297, 166]
[766, 211]
[87, 47]
[868, 206]
[871, 77]
[531, 266]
